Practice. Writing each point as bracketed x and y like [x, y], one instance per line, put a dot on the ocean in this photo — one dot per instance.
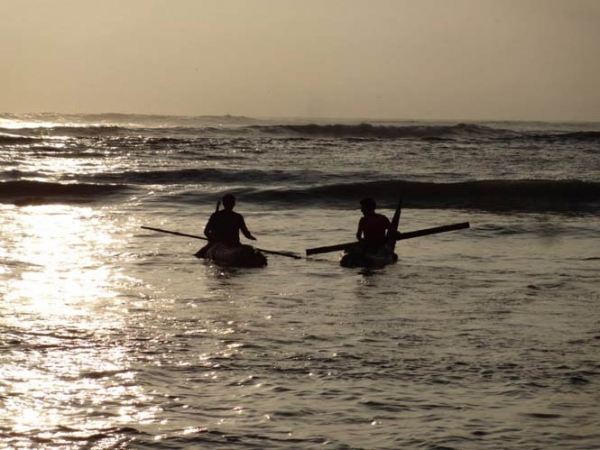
[117, 337]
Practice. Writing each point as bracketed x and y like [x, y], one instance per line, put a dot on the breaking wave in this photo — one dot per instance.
[10, 139]
[489, 195]
[306, 189]
[209, 175]
[370, 131]
[25, 192]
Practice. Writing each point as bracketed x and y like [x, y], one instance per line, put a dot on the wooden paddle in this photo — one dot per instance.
[400, 237]
[176, 233]
[394, 226]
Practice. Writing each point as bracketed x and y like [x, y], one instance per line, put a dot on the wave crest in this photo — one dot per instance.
[489, 195]
[25, 192]
[370, 131]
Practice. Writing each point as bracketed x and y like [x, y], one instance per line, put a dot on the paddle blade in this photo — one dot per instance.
[395, 223]
[434, 230]
[279, 253]
[329, 248]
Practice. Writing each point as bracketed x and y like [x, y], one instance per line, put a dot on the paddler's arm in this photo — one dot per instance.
[245, 231]
[208, 229]
[388, 231]
[359, 231]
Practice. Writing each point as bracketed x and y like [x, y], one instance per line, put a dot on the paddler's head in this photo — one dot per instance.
[368, 206]
[228, 201]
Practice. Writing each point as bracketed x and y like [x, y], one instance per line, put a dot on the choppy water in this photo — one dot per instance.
[117, 337]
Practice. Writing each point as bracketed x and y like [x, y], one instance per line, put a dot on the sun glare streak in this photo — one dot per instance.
[17, 124]
[59, 271]
[60, 311]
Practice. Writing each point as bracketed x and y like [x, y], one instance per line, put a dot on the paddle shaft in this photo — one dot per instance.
[176, 233]
[395, 223]
[401, 237]
[434, 230]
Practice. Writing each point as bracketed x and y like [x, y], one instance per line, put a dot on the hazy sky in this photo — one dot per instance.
[412, 59]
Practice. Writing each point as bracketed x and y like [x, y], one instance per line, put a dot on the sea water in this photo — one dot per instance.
[113, 336]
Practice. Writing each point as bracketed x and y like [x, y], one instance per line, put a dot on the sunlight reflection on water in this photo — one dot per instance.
[59, 316]
[56, 251]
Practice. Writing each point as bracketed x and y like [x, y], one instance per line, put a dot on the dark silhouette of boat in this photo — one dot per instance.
[228, 256]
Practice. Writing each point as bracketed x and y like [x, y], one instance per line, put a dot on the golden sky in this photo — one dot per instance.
[404, 59]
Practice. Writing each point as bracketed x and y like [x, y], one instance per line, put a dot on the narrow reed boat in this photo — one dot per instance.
[358, 257]
[227, 256]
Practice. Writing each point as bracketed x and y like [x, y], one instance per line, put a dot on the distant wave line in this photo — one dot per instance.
[176, 134]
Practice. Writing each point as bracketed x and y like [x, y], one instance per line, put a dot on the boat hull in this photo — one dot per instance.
[226, 256]
[359, 258]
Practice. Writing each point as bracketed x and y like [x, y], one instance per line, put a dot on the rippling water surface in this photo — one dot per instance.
[117, 337]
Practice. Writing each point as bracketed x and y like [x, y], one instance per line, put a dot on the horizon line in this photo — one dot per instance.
[320, 118]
